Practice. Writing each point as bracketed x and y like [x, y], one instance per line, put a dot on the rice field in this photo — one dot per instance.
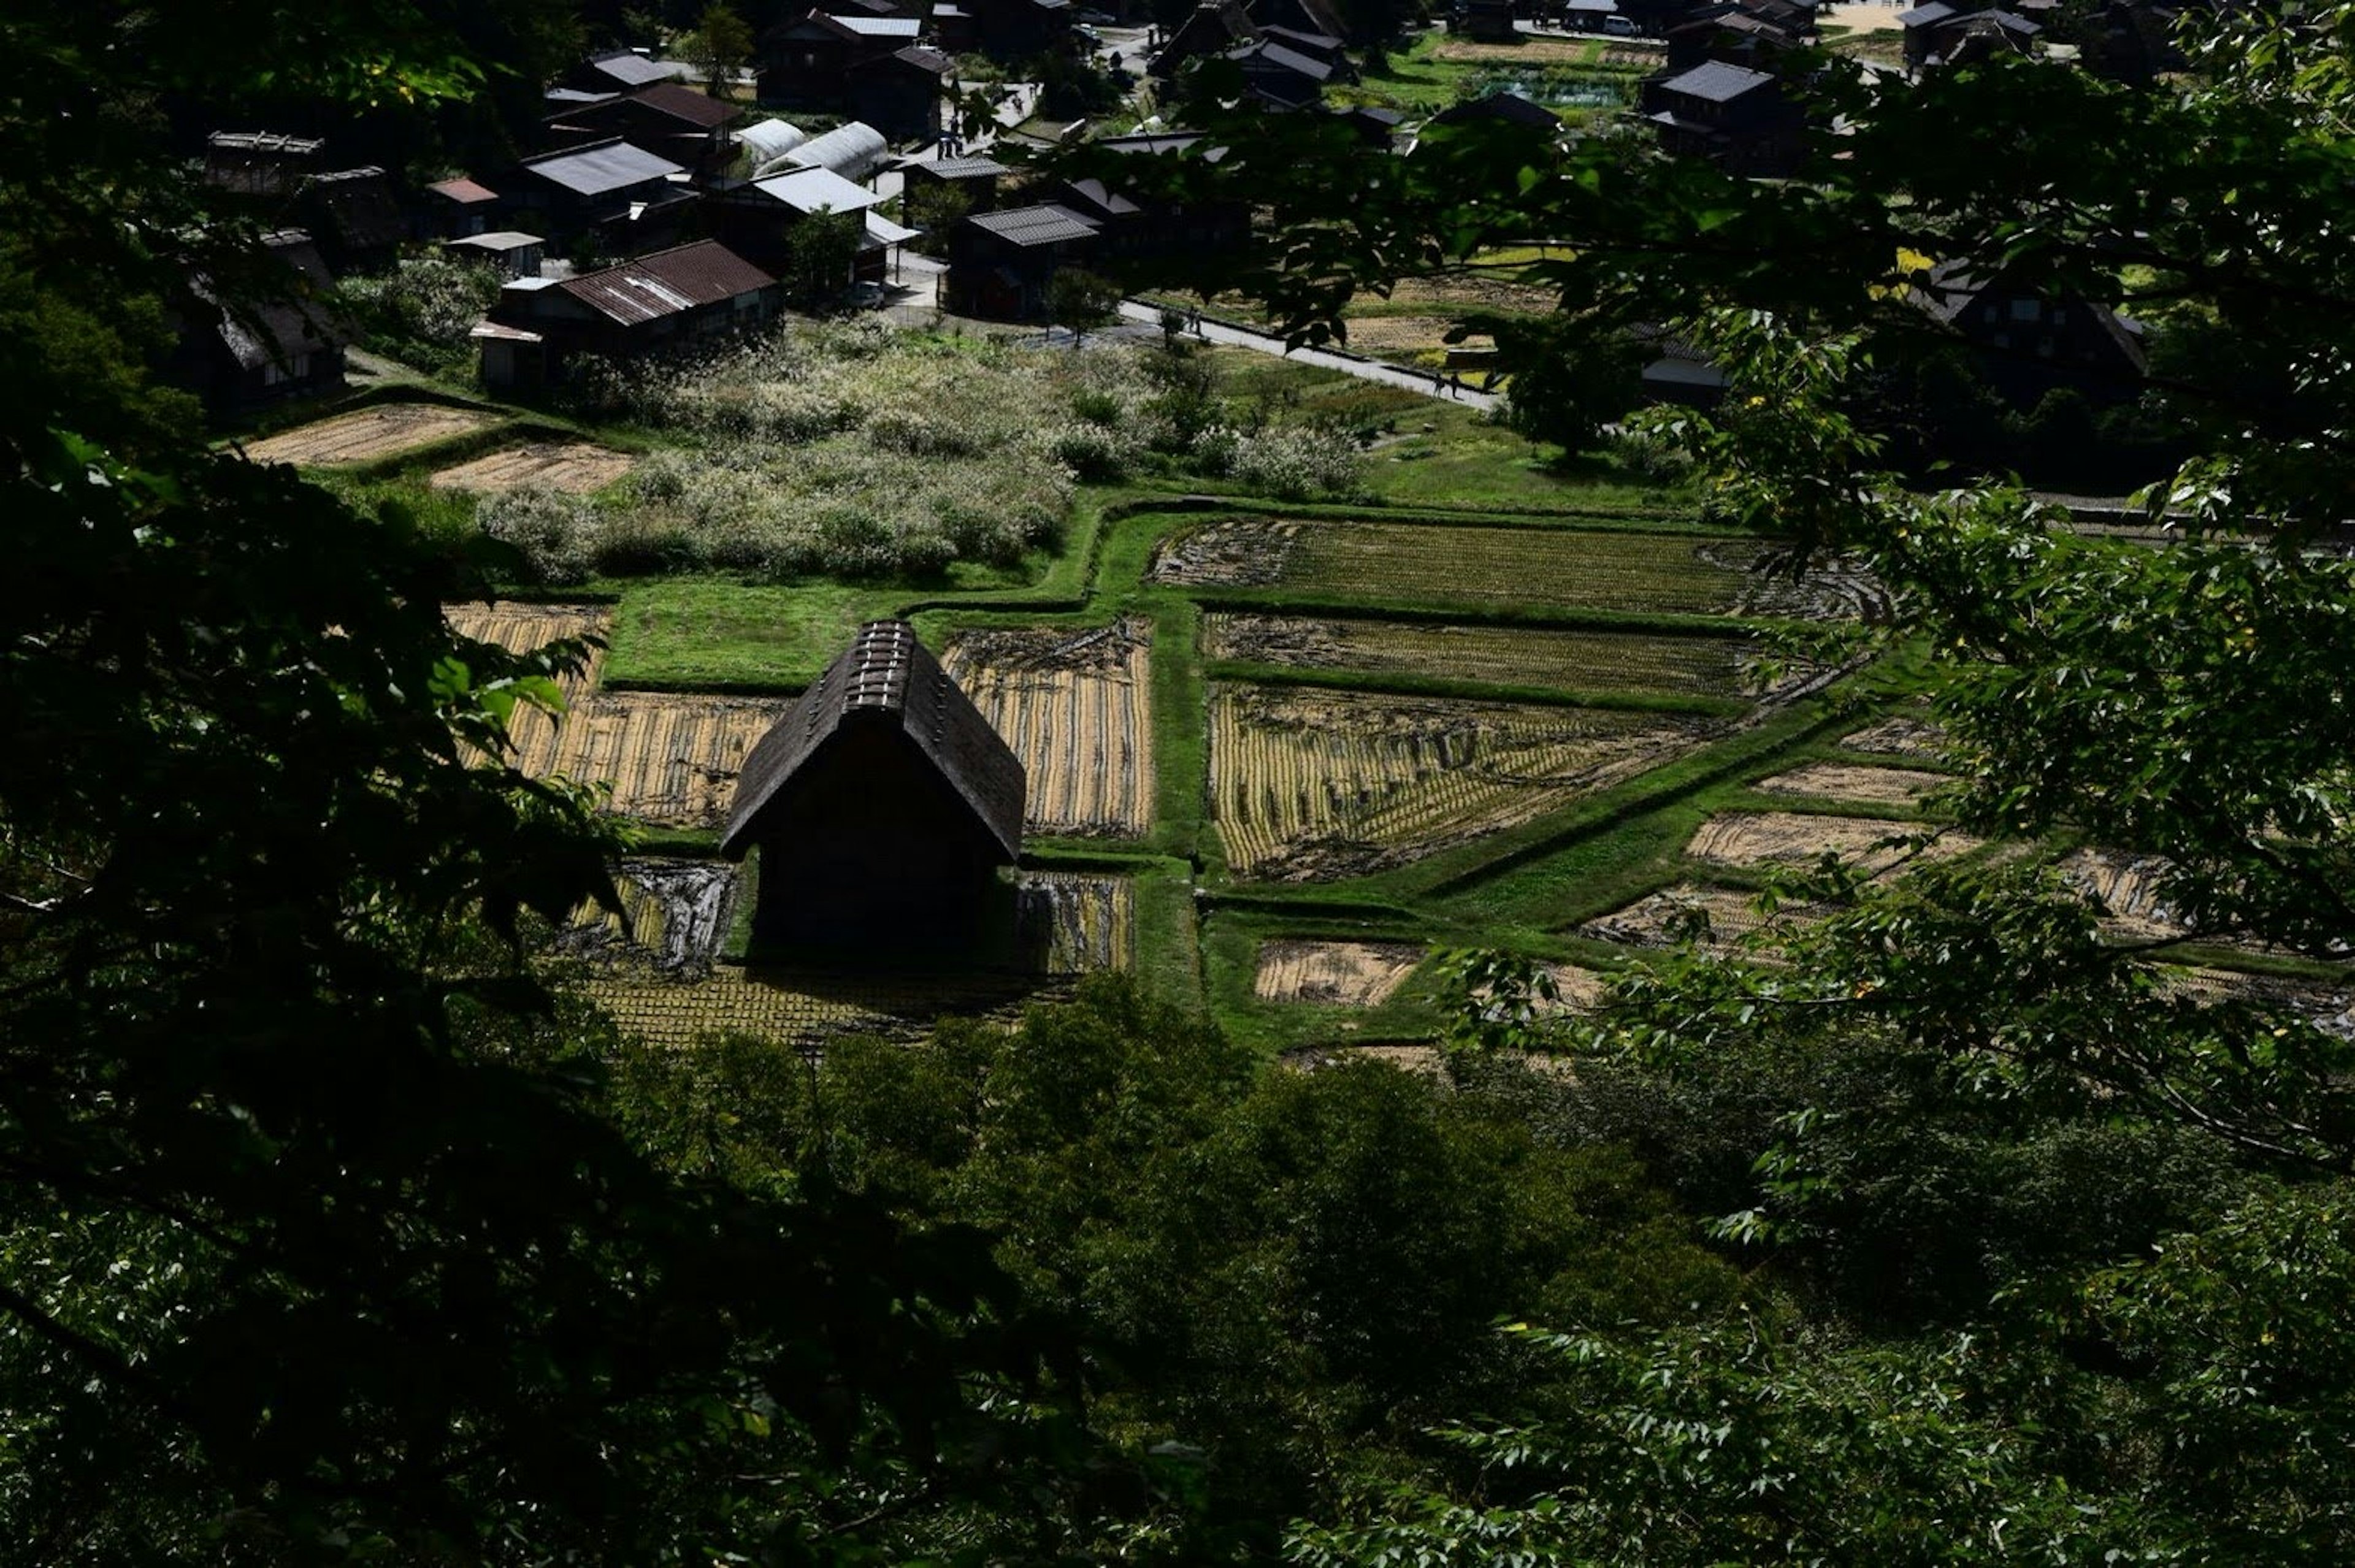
[2128, 886]
[1504, 655]
[1715, 917]
[1565, 568]
[1075, 707]
[670, 759]
[1311, 785]
[1334, 974]
[674, 916]
[1800, 839]
[365, 435]
[805, 1007]
[576, 468]
[1843, 781]
[1901, 736]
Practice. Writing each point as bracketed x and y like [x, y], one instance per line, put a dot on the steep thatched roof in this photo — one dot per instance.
[886, 679]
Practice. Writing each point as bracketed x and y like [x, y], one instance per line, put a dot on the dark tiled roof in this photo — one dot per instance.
[1717, 82]
[667, 283]
[1926, 16]
[887, 677]
[685, 103]
[359, 207]
[1510, 107]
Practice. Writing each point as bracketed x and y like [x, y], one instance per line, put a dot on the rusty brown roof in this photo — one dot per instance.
[667, 283]
[886, 677]
[686, 103]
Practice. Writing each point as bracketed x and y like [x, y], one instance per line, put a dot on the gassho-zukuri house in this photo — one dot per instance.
[882, 805]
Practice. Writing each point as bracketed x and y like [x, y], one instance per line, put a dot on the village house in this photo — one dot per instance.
[806, 63]
[1942, 33]
[619, 197]
[2027, 341]
[976, 178]
[903, 94]
[1001, 264]
[616, 70]
[880, 807]
[756, 218]
[667, 119]
[453, 208]
[689, 293]
[515, 254]
[287, 347]
[1735, 117]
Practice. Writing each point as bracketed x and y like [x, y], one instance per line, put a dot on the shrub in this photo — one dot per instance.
[552, 531]
[1297, 462]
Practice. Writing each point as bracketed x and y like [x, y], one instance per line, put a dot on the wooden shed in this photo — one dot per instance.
[881, 805]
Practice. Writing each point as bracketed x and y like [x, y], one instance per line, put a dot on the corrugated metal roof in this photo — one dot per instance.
[464, 190]
[630, 69]
[600, 167]
[1045, 224]
[1715, 83]
[883, 231]
[881, 26]
[886, 678]
[501, 239]
[815, 189]
[666, 283]
[962, 168]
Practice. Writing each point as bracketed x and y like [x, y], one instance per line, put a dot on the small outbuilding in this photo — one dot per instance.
[882, 805]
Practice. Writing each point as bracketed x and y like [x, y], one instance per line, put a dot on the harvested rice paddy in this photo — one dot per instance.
[1799, 838]
[573, 467]
[1074, 924]
[362, 436]
[1334, 974]
[799, 1007]
[1841, 781]
[1074, 706]
[1714, 917]
[1635, 574]
[1311, 785]
[2127, 886]
[1504, 655]
[1901, 736]
[674, 916]
[670, 759]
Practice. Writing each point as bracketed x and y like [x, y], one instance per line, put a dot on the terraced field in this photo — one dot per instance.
[1422, 563]
[1800, 839]
[1077, 923]
[1336, 974]
[1075, 707]
[1842, 781]
[574, 466]
[1504, 655]
[1310, 785]
[1717, 917]
[670, 759]
[799, 1007]
[365, 435]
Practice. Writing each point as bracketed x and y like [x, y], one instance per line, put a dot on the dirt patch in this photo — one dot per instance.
[1799, 838]
[576, 468]
[1333, 973]
[1311, 786]
[365, 434]
[1878, 16]
[1901, 736]
[1076, 708]
[1842, 781]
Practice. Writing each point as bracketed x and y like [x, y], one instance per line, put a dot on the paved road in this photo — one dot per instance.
[1323, 359]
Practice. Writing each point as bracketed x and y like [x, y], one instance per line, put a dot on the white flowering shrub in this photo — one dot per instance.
[555, 533]
[1300, 462]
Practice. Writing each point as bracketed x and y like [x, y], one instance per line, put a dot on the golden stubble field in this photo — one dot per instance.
[576, 468]
[1075, 707]
[671, 759]
[1336, 974]
[1309, 785]
[365, 434]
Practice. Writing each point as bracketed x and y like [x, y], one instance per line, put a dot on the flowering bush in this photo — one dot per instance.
[555, 533]
[1298, 462]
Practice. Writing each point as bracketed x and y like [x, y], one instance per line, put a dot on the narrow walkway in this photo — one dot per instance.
[1424, 381]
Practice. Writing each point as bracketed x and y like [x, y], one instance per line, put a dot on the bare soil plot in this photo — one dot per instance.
[1462, 291]
[1634, 572]
[1901, 736]
[1403, 334]
[574, 466]
[1715, 917]
[794, 1007]
[674, 917]
[1799, 838]
[1334, 974]
[1076, 708]
[1509, 655]
[1309, 785]
[365, 435]
[1843, 781]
